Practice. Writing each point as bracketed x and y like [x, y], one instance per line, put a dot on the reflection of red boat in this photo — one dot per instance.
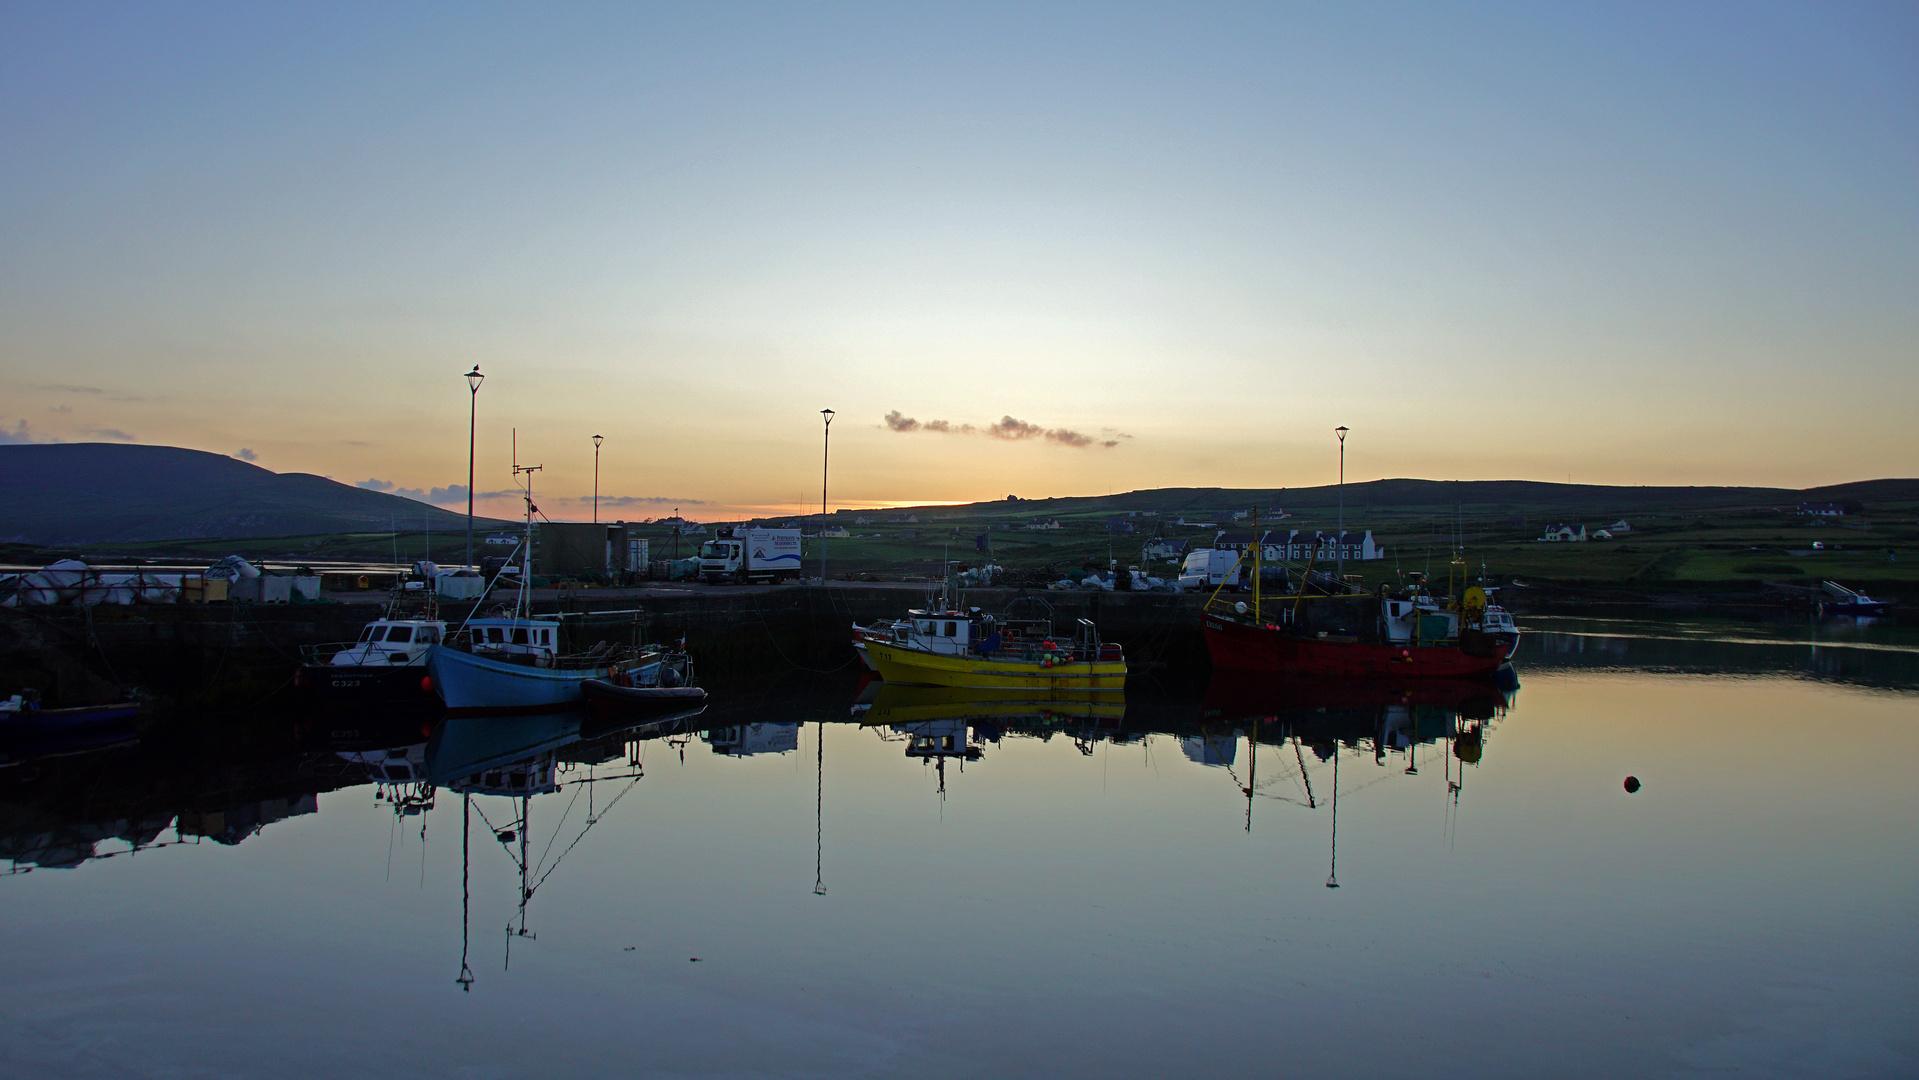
[1243, 695]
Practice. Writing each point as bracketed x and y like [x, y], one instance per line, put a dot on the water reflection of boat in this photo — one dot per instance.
[518, 758]
[1335, 720]
[895, 704]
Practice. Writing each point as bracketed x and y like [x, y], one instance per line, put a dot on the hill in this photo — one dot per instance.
[94, 493]
[1475, 497]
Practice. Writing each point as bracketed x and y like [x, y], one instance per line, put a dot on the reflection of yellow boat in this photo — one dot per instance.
[954, 648]
[916, 704]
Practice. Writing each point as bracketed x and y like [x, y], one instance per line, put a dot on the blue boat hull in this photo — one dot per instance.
[466, 682]
[472, 683]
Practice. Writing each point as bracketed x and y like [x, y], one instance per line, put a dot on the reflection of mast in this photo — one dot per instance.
[1252, 759]
[819, 803]
[1304, 776]
[1332, 872]
[466, 896]
[526, 825]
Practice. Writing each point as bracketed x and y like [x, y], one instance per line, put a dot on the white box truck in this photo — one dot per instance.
[740, 555]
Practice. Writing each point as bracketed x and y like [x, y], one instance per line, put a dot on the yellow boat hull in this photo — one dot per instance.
[897, 664]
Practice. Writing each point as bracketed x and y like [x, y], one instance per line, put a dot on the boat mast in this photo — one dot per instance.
[1257, 544]
[522, 603]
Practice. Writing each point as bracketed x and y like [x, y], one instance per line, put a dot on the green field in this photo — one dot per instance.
[1717, 544]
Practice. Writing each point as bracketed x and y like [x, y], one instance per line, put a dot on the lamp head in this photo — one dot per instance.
[828, 414]
[474, 377]
[1341, 432]
[596, 441]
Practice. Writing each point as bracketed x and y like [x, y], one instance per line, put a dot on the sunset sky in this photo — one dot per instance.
[1066, 249]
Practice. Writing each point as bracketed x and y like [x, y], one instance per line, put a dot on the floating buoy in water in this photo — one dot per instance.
[1632, 784]
[426, 683]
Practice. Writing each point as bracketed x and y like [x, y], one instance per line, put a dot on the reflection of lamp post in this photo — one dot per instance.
[826, 454]
[473, 379]
[596, 478]
[1332, 870]
[1341, 539]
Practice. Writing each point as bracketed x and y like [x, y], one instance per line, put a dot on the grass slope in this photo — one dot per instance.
[94, 493]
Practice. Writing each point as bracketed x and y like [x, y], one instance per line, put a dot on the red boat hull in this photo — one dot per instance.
[1237, 646]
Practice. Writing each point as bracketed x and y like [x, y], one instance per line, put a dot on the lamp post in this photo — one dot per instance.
[826, 455]
[473, 380]
[1340, 540]
[596, 478]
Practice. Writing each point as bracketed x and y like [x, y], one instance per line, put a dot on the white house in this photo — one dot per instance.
[1048, 523]
[1164, 549]
[1618, 527]
[1295, 546]
[1564, 534]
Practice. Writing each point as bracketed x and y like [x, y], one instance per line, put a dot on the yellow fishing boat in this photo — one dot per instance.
[971, 649]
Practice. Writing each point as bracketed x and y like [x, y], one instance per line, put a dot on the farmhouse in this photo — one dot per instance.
[1164, 549]
[1564, 534]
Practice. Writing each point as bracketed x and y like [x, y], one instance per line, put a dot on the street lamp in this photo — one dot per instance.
[596, 478]
[473, 380]
[826, 455]
[1341, 539]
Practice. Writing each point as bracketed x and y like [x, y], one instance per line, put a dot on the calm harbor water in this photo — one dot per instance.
[813, 879]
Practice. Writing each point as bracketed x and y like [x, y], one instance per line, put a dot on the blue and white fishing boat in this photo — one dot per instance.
[512, 661]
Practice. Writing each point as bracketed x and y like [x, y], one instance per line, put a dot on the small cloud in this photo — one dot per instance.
[109, 433]
[63, 410]
[1009, 428]
[20, 434]
[634, 500]
[68, 388]
[439, 496]
[247, 455]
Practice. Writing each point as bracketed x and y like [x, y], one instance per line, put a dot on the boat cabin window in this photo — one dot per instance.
[367, 634]
[429, 635]
[951, 630]
[519, 635]
[923, 626]
[400, 634]
[493, 634]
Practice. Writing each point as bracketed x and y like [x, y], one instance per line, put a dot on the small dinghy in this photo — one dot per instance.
[22, 714]
[642, 699]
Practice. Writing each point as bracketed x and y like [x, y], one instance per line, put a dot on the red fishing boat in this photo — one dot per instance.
[1395, 634]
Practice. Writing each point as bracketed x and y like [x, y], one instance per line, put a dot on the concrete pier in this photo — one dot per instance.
[237, 654]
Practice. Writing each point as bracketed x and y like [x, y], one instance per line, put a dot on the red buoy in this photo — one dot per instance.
[426, 683]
